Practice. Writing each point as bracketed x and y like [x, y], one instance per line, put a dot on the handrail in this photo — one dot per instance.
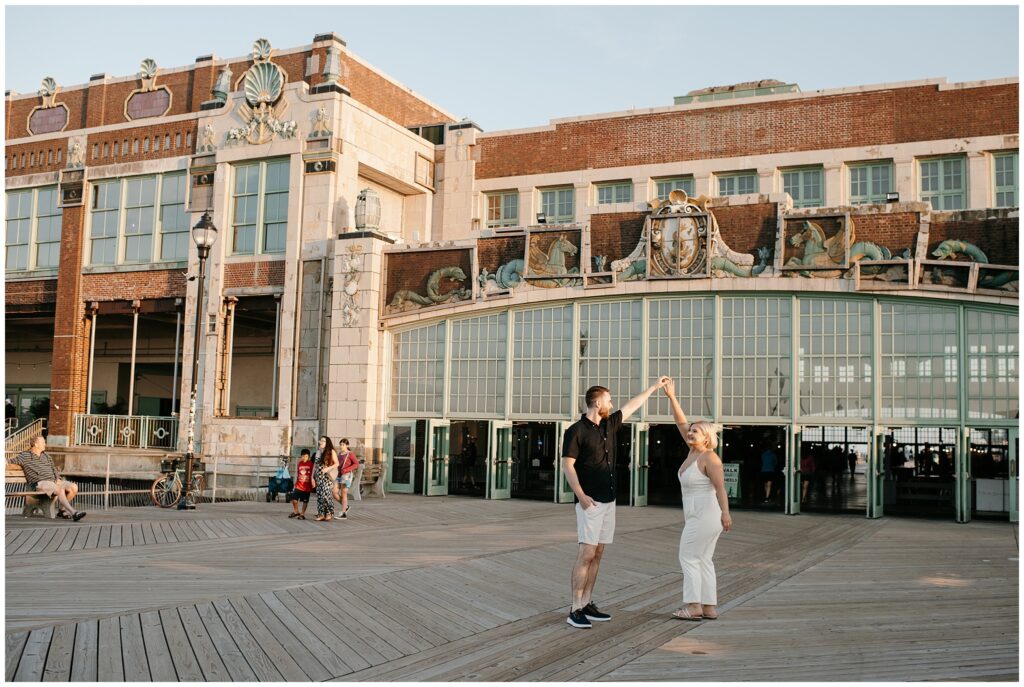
[21, 440]
[129, 431]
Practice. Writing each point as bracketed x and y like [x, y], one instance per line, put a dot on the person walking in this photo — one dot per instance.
[349, 465]
[588, 462]
[303, 485]
[706, 513]
[324, 471]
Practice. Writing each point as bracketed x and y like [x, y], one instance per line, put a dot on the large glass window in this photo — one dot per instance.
[920, 378]
[835, 358]
[870, 182]
[140, 197]
[48, 228]
[756, 346]
[541, 362]
[558, 204]
[417, 371]
[19, 229]
[477, 384]
[738, 183]
[943, 183]
[666, 186]
[1005, 168]
[614, 192]
[259, 221]
[610, 339]
[174, 221]
[805, 186]
[106, 206]
[139, 220]
[503, 209]
[992, 353]
[681, 345]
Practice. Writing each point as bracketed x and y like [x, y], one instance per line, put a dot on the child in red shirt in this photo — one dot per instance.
[303, 485]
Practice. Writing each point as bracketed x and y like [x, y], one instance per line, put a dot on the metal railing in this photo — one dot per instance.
[21, 440]
[129, 431]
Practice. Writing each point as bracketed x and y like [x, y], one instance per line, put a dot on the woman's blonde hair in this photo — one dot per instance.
[709, 431]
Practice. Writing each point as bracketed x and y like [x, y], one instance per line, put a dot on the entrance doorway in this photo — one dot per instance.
[666, 451]
[993, 473]
[467, 465]
[760, 454]
[535, 447]
[834, 468]
[918, 471]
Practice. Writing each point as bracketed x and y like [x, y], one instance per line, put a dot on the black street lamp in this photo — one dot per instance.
[204, 233]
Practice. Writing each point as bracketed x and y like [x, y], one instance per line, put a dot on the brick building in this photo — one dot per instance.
[832, 276]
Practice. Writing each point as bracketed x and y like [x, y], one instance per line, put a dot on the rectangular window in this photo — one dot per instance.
[805, 186]
[666, 186]
[919, 361]
[503, 209]
[417, 371]
[558, 204]
[106, 204]
[542, 362]
[835, 345]
[869, 183]
[943, 183]
[140, 197]
[992, 352]
[48, 225]
[173, 218]
[1005, 165]
[615, 192]
[756, 376]
[260, 208]
[680, 344]
[19, 226]
[736, 184]
[478, 353]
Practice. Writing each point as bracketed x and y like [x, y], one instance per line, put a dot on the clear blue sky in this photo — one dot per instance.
[512, 67]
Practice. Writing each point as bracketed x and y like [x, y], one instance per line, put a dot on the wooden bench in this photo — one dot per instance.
[34, 500]
[371, 476]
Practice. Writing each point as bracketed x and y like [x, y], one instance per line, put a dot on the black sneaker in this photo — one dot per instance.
[578, 619]
[591, 612]
[78, 516]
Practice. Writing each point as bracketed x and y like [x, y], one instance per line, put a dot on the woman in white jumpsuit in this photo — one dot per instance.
[706, 513]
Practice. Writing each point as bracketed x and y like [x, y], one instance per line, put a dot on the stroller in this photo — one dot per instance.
[281, 483]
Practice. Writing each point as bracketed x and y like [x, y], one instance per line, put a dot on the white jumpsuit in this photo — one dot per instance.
[700, 534]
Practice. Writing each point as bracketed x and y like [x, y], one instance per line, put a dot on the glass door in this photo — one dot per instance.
[563, 492]
[791, 468]
[878, 465]
[1014, 486]
[436, 476]
[499, 461]
[639, 464]
[924, 472]
[992, 455]
[962, 476]
[401, 477]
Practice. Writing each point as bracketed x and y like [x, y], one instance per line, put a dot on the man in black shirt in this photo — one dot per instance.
[588, 461]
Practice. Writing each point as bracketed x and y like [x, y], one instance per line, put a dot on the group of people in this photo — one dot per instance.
[329, 473]
[588, 461]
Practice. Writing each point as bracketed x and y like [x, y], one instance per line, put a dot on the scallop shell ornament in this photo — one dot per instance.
[263, 84]
[147, 70]
[261, 50]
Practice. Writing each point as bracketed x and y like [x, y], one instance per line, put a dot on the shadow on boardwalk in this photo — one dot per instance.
[462, 589]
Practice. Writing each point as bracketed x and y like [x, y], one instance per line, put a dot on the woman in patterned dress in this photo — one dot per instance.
[325, 468]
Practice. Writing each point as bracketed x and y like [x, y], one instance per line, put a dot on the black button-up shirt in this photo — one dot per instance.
[593, 447]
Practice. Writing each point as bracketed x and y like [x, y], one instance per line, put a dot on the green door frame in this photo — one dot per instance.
[499, 460]
[401, 488]
[638, 465]
[962, 486]
[791, 470]
[1014, 439]
[435, 472]
[875, 473]
[563, 492]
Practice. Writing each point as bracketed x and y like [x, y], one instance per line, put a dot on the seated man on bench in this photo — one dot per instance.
[42, 474]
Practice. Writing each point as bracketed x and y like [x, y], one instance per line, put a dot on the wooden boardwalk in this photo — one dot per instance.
[452, 588]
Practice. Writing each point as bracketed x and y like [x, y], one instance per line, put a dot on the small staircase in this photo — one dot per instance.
[21, 439]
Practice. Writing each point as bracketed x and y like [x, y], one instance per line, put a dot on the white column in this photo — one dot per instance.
[979, 181]
[766, 180]
[833, 181]
[94, 309]
[905, 183]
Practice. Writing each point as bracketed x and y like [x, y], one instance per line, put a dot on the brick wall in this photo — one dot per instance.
[999, 238]
[121, 286]
[391, 100]
[745, 228]
[33, 158]
[492, 253]
[412, 270]
[615, 234]
[249, 274]
[836, 121]
[71, 340]
[31, 292]
[896, 231]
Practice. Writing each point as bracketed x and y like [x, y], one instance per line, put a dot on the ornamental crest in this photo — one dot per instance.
[679, 238]
[263, 109]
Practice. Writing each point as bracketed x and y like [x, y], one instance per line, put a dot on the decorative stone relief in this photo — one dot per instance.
[951, 249]
[405, 300]
[223, 85]
[332, 66]
[150, 100]
[147, 72]
[49, 116]
[207, 141]
[76, 154]
[264, 108]
[816, 250]
[48, 92]
[351, 269]
[321, 128]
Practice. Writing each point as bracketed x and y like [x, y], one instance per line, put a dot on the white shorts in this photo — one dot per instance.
[596, 525]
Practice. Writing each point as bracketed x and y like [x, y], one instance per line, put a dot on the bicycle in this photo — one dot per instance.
[166, 490]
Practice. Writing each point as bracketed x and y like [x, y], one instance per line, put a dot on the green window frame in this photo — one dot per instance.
[103, 222]
[944, 182]
[19, 230]
[139, 220]
[919, 376]
[49, 217]
[681, 344]
[174, 221]
[611, 354]
[756, 340]
[834, 358]
[663, 187]
[805, 185]
[503, 209]
[870, 182]
[558, 204]
[477, 366]
[417, 371]
[542, 340]
[614, 192]
[1004, 169]
[259, 217]
[737, 183]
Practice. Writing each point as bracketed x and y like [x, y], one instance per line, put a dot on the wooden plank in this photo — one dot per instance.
[34, 536]
[261, 664]
[412, 629]
[237, 666]
[84, 661]
[133, 649]
[158, 655]
[138, 537]
[33, 656]
[207, 657]
[14, 645]
[109, 664]
[58, 659]
[296, 647]
[81, 538]
[281, 658]
[364, 643]
[148, 535]
[22, 537]
[115, 535]
[104, 542]
[437, 630]
[319, 645]
[186, 666]
[372, 624]
[318, 613]
[43, 541]
[93, 541]
[455, 626]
